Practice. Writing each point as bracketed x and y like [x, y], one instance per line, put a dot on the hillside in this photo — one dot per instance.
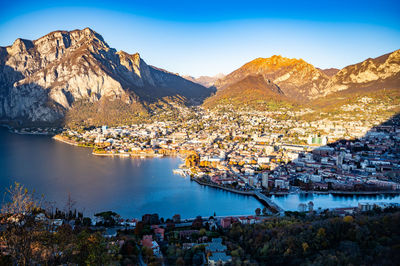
[250, 91]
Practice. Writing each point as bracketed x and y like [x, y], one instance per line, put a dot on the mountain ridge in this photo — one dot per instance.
[303, 83]
[51, 79]
[43, 78]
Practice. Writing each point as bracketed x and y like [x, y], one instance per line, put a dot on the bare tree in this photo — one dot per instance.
[22, 228]
[20, 201]
[69, 206]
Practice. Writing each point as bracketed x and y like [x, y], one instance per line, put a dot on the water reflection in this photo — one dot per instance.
[324, 201]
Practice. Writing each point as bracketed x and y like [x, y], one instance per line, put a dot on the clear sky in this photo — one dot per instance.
[208, 37]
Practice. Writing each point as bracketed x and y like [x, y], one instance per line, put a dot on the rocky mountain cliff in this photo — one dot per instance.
[371, 74]
[41, 80]
[302, 83]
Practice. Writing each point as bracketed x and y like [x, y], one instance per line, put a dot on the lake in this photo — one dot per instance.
[130, 187]
[291, 202]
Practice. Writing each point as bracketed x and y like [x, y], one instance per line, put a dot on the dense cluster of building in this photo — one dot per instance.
[251, 150]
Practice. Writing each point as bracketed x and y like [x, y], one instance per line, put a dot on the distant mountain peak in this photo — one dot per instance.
[294, 76]
[207, 81]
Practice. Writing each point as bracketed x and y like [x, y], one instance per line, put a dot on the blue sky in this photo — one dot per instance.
[209, 37]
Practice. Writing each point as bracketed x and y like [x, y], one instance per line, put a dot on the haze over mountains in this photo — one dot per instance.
[76, 74]
[206, 81]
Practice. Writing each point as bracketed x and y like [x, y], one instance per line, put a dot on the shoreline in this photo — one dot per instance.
[128, 155]
[66, 141]
[15, 131]
[353, 192]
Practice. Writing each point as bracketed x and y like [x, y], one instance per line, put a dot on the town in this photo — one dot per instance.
[273, 152]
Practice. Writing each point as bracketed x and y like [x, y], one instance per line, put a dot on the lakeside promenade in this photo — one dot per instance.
[258, 195]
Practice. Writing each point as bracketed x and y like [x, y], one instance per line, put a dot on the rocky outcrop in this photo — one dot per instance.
[377, 73]
[40, 80]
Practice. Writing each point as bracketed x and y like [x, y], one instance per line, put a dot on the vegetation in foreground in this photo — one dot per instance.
[30, 236]
[363, 239]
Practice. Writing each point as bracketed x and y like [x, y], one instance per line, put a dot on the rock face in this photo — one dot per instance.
[40, 80]
[371, 74]
[302, 82]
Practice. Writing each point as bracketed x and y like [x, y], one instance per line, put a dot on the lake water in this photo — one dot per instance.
[327, 201]
[130, 187]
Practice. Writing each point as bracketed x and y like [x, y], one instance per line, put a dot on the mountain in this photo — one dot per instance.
[302, 83]
[42, 80]
[205, 81]
[371, 74]
[295, 77]
[251, 90]
[329, 71]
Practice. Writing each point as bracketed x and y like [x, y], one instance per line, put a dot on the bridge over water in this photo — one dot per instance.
[272, 204]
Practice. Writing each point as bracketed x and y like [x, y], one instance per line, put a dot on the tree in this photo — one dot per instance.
[108, 217]
[305, 247]
[87, 221]
[348, 219]
[202, 232]
[91, 249]
[192, 160]
[31, 237]
[258, 211]
[264, 211]
[147, 253]
[23, 232]
[69, 206]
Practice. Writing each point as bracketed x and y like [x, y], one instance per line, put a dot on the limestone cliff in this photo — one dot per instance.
[40, 80]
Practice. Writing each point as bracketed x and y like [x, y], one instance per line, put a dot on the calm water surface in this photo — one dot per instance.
[130, 187]
[327, 201]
